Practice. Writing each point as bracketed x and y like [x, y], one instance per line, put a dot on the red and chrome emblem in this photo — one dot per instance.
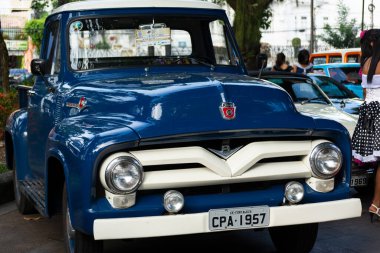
[80, 105]
[228, 110]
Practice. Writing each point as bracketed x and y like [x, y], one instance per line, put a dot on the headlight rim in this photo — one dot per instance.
[312, 159]
[109, 169]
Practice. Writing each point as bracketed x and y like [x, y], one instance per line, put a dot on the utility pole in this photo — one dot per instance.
[371, 8]
[363, 16]
[312, 26]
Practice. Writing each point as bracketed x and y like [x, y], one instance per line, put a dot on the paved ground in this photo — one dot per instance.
[31, 234]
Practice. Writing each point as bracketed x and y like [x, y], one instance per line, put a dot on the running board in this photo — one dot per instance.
[34, 190]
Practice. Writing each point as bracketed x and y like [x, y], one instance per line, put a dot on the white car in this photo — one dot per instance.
[342, 97]
[309, 98]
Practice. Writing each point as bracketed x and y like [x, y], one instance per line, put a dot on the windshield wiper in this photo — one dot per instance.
[313, 99]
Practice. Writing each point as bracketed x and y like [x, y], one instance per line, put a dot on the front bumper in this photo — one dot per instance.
[154, 226]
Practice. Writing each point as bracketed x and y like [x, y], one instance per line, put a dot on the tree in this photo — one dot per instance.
[250, 17]
[296, 43]
[4, 63]
[34, 29]
[344, 35]
[38, 6]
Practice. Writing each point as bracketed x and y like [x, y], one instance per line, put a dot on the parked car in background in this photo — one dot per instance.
[19, 76]
[350, 55]
[309, 99]
[345, 73]
[338, 93]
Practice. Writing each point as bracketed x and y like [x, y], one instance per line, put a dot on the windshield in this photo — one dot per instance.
[332, 88]
[346, 74]
[149, 40]
[301, 91]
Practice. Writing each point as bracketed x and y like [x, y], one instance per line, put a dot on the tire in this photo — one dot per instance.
[295, 239]
[23, 204]
[76, 241]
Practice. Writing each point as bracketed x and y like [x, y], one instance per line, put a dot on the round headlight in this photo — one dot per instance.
[294, 192]
[326, 160]
[124, 174]
[173, 201]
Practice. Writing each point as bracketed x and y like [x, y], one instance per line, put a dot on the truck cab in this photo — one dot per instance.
[143, 122]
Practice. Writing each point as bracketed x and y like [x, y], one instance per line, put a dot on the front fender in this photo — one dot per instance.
[76, 143]
[16, 145]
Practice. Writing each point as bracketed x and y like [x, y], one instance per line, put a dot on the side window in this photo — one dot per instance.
[223, 54]
[319, 60]
[52, 52]
[335, 59]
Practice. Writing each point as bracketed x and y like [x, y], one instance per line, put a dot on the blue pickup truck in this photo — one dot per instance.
[143, 122]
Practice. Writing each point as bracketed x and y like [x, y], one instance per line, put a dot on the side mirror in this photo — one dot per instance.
[38, 67]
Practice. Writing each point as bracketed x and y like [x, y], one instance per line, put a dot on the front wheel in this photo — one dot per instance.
[295, 239]
[76, 241]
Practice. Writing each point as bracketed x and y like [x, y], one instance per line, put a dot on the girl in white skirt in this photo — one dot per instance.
[366, 137]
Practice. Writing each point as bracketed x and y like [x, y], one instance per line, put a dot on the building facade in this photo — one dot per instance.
[13, 16]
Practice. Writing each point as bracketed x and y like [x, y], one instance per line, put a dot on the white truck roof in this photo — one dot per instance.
[115, 4]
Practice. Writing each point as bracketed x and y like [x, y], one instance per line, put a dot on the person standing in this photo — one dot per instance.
[366, 137]
[281, 64]
[366, 51]
[303, 66]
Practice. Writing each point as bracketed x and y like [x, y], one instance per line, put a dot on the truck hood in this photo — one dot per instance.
[170, 104]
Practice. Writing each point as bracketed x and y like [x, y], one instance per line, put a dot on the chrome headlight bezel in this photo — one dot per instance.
[316, 166]
[110, 170]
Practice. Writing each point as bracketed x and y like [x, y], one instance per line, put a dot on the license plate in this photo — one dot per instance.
[238, 218]
[361, 180]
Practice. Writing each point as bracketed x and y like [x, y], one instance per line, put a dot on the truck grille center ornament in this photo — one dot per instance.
[228, 110]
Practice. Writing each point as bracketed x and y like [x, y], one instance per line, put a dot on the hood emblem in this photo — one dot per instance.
[80, 106]
[228, 110]
[225, 152]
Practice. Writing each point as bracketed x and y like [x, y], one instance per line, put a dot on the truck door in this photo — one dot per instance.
[42, 99]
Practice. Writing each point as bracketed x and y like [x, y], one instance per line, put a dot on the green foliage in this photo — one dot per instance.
[34, 28]
[21, 36]
[344, 36]
[250, 17]
[296, 42]
[38, 6]
[103, 44]
[6, 36]
[3, 168]
[8, 103]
